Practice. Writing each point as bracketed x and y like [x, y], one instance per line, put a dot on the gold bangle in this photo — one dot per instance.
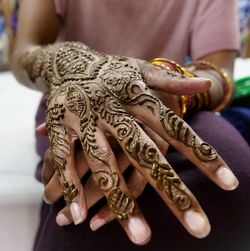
[227, 83]
[183, 106]
[172, 65]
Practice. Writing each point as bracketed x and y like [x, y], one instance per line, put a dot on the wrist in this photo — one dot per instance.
[40, 63]
[221, 91]
[33, 63]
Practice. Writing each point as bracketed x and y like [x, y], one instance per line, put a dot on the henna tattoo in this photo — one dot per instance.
[32, 63]
[60, 148]
[146, 155]
[179, 130]
[96, 86]
[74, 62]
[121, 204]
[76, 102]
[117, 78]
[167, 181]
[61, 62]
[70, 191]
[132, 93]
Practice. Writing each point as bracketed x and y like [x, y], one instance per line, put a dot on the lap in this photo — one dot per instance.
[228, 211]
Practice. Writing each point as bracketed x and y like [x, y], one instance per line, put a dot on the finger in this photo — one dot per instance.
[47, 169]
[41, 130]
[92, 191]
[106, 173]
[136, 184]
[180, 135]
[161, 143]
[62, 151]
[53, 189]
[101, 218]
[145, 156]
[64, 217]
[172, 82]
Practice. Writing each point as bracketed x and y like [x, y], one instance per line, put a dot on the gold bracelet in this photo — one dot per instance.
[227, 83]
[172, 65]
[183, 106]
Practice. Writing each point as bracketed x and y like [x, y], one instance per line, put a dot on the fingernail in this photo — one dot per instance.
[197, 223]
[140, 232]
[39, 127]
[97, 223]
[62, 220]
[228, 179]
[76, 213]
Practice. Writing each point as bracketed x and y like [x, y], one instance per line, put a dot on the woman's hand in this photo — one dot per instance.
[93, 94]
[52, 191]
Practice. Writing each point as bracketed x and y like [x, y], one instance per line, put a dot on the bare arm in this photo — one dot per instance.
[38, 25]
[223, 59]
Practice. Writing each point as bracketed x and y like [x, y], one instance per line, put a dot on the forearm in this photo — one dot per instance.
[221, 91]
[224, 60]
[218, 67]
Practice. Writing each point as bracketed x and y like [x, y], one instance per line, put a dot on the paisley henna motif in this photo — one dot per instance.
[122, 204]
[96, 86]
[132, 93]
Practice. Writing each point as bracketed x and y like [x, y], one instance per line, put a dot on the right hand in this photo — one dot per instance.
[92, 94]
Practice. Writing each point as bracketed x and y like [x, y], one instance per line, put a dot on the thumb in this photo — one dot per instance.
[171, 82]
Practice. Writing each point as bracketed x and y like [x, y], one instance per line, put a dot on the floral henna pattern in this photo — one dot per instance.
[130, 92]
[95, 86]
[60, 148]
[146, 155]
[122, 204]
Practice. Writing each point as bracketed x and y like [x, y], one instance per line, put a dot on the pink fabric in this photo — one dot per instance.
[150, 28]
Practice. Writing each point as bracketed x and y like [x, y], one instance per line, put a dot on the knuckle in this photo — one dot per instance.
[47, 157]
[47, 167]
[92, 187]
[47, 197]
[138, 186]
[44, 176]
[102, 157]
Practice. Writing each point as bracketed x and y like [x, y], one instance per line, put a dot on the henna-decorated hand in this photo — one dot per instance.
[93, 94]
[52, 191]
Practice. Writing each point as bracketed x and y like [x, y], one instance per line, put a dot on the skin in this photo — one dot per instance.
[39, 25]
